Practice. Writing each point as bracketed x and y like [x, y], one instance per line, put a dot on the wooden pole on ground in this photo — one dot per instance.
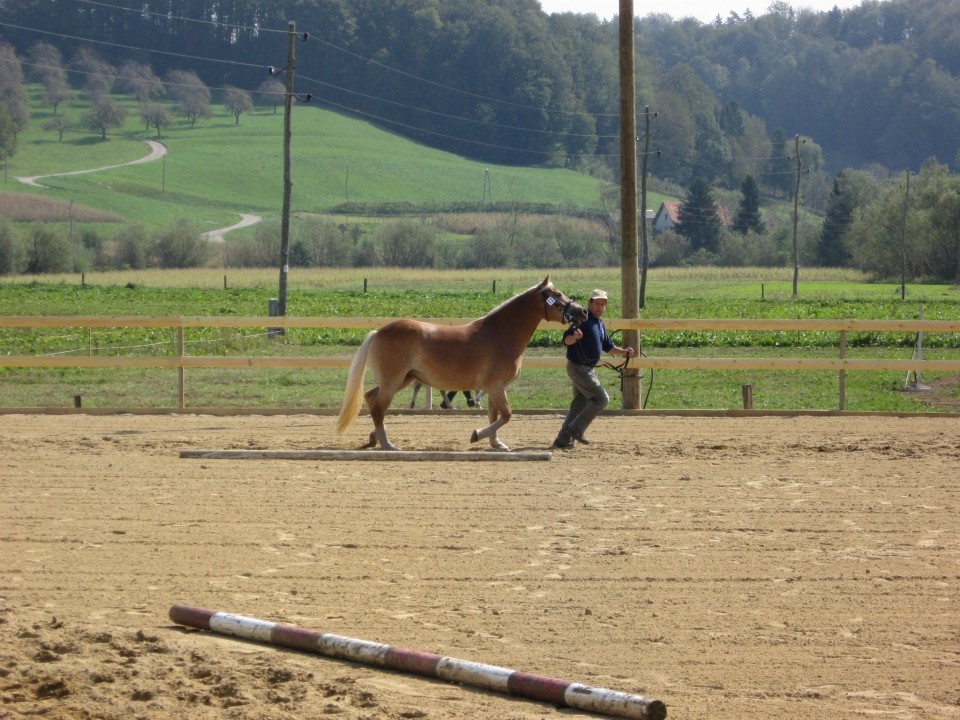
[382, 455]
[465, 672]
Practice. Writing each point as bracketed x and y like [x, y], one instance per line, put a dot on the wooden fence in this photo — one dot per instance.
[182, 361]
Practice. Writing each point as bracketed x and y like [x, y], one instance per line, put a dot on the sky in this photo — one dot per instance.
[704, 10]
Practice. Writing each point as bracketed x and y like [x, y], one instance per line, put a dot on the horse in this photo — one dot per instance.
[485, 354]
[447, 396]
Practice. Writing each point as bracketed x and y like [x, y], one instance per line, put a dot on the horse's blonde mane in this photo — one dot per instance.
[545, 283]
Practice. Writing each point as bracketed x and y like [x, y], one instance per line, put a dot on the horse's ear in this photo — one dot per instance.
[546, 281]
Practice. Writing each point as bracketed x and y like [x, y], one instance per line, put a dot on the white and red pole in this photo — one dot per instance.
[489, 677]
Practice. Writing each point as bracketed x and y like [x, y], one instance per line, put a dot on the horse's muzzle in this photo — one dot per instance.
[575, 314]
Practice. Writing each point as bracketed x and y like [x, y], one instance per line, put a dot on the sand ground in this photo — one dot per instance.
[774, 568]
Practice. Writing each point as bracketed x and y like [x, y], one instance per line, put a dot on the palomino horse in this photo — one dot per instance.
[485, 355]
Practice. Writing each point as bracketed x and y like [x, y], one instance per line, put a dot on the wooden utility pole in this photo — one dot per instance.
[796, 217]
[287, 182]
[903, 241]
[629, 268]
[644, 246]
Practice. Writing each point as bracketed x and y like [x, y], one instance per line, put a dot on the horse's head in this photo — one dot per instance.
[557, 307]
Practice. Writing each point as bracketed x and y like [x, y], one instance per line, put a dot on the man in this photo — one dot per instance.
[585, 345]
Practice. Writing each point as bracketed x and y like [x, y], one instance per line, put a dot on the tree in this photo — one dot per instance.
[191, 94]
[157, 116]
[12, 92]
[140, 81]
[831, 249]
[237, 101]
[46, 67]
[59, 124]
[699, 217]
[8, 134]
[781, 172]
[104, 115]
[99, 75]
[748, 213]
[272, 93]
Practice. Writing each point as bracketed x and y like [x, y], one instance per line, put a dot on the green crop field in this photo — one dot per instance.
[688, 293]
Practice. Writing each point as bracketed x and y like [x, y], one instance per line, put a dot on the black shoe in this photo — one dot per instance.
[563, 442]
[581, 439]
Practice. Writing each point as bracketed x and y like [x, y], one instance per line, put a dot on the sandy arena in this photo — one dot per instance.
[774, 568]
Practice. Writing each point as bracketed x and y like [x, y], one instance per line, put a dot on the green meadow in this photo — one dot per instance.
[677, 293]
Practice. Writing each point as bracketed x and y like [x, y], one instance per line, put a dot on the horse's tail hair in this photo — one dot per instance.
[353, 395]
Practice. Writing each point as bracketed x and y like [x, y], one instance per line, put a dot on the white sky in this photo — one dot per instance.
[704, 10]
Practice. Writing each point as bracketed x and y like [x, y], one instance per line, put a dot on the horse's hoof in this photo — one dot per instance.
[475, 436]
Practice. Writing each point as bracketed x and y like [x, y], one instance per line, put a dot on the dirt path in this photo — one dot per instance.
[774, 568]
[157, 151]
[246, 221]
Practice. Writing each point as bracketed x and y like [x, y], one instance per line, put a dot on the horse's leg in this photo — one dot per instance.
[378, 403]
[499, 413]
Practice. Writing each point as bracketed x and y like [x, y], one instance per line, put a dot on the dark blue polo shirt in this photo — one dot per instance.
[595, 341]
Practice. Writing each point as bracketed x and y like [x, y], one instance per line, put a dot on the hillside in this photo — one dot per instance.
[220, 168]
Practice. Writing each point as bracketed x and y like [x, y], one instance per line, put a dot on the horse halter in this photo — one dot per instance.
[567, 316]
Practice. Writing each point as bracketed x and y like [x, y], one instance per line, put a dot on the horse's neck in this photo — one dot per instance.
[515, 321]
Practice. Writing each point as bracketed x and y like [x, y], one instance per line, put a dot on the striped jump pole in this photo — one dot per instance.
[489, 677]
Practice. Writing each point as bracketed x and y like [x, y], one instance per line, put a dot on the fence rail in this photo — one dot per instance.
[182, 361]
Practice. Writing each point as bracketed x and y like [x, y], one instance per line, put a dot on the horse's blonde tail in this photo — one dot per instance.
[353, 394]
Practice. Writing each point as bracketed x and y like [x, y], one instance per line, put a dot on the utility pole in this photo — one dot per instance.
[629, 268]
[903, 241]
[796, 217]
[644, 245]
[287, 182]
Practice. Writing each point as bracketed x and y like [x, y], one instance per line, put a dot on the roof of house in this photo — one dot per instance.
[672, 209]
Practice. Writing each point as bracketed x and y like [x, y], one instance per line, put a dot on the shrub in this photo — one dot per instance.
[181, 246]
[48, 250]
[406, 244]
[488, 248]
[10, 254]
[131, 247]
[322, 243]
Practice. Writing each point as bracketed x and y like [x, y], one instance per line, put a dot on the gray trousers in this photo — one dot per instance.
[589, 399]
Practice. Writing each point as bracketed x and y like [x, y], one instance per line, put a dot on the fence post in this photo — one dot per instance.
[181, 372]
[747, 391]
[843, 373]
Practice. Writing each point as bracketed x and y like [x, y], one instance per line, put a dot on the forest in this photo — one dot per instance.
[876, 85]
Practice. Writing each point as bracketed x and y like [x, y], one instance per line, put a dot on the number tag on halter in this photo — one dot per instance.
[551, 301]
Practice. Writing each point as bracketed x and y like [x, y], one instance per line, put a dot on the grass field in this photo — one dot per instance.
[689, 293]
[219, 168]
